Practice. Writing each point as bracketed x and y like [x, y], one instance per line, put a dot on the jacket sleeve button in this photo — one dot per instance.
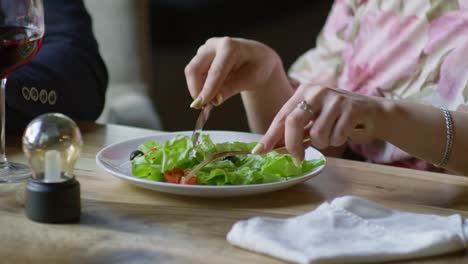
[43, 96]
[52, 97]
[34, 94]
[26, 93]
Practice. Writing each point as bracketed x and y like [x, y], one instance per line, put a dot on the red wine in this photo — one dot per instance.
[18, 46]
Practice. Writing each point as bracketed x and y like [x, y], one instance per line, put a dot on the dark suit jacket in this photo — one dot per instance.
[67, 75]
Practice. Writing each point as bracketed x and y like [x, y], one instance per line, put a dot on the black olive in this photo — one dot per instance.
[230, 158]
[135, 154]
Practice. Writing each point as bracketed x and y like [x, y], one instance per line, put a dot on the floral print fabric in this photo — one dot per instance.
[407, 50]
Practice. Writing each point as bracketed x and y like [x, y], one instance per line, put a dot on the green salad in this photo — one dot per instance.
[171, 161]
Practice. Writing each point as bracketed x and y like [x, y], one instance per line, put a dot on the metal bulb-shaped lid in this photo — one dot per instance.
[52, 143]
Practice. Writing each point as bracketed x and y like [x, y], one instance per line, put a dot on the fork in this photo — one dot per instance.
[201, 120]
[224, 154]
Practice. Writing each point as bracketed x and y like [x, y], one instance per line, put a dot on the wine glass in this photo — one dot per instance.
[21, 33]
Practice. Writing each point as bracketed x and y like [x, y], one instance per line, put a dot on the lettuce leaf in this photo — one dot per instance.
[239, 170]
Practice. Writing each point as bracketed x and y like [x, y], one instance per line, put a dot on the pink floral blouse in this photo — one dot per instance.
[415, 50]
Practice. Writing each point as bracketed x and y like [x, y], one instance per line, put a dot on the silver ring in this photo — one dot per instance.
[305, 107]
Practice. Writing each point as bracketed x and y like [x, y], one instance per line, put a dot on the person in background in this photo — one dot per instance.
[387, 79]
[68, 74]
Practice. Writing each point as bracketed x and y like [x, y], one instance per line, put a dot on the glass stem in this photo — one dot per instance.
[3, 158]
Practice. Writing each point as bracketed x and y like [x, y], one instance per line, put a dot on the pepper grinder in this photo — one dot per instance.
[52, 143]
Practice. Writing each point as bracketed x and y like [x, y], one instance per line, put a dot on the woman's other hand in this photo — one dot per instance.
[224, 67]
[328, 116]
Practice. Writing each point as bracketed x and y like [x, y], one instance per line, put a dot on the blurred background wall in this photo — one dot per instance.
[147, 43]
[122, 28]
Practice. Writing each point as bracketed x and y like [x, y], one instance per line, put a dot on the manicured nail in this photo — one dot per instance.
[297, 162]
[258, 148]
[197, 103]
[219, 100]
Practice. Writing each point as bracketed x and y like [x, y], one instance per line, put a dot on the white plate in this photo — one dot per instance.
[115, 160]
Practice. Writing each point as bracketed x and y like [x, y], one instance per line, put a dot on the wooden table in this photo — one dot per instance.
[125, 224]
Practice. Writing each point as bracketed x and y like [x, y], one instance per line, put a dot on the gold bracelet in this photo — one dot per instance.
[450, 132]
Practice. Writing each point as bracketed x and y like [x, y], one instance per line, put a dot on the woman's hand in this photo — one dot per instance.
[328, 116]
[226, 66]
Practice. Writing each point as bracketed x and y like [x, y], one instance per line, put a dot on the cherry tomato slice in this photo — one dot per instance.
[191, 181]
[174, 175]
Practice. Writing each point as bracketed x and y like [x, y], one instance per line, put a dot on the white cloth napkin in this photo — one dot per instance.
[351, 230]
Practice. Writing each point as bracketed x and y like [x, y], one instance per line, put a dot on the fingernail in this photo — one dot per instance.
[258, 148]
[297, 162]
[219, 100]
[197, 103]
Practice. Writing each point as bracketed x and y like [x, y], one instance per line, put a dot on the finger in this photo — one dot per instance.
[320, 132]
[276, 130]
[233, 84]
[220, 68]
[197, 69]
[308, 127]
[294, 132]
[343, 128]
[228, 89]
[363, 135]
